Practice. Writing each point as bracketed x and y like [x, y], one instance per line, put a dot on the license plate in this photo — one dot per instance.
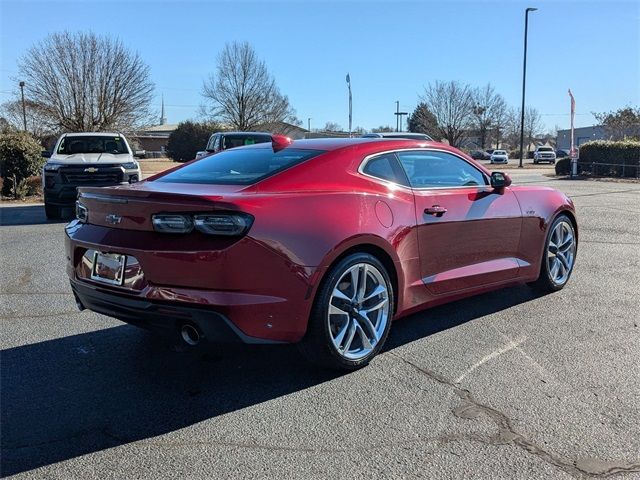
[108, 268]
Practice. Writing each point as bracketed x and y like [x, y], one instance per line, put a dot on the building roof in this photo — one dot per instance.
[166, 128]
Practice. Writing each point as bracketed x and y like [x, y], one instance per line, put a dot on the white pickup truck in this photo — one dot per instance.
[94, 159]
[544, 154]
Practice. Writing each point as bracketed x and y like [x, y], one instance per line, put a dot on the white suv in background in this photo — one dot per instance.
[544, 154]
[499, 156]
[96, 159]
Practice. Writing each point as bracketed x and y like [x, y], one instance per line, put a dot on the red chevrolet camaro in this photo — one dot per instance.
[319, 242]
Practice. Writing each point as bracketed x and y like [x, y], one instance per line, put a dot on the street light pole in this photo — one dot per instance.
[309, 124]
[349, 85]
[24, 110]
[524, 79]
[397, 115]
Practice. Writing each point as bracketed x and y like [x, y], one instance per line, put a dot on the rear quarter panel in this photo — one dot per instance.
[540, 206]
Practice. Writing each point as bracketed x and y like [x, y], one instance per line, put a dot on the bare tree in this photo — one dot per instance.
[423, 121]
[488, 112]
[532, 125]
[451, 103]
[242, 93]
[382, 129]
[622, 123]
[39, 124]
[85, 82]
[332, 127]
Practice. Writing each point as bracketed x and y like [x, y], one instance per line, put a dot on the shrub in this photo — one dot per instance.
[563, 166]
[610, 158]
[190, 137]
[20, 158]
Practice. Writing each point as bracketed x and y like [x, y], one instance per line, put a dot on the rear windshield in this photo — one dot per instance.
[232, 141]
[242, 166]
[87, 144]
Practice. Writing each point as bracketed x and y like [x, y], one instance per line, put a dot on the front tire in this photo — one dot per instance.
[351, 315]
[559, 256]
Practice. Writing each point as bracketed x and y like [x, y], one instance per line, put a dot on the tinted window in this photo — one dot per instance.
[387, 168]
[87, 144]
[439, 169]
[232, 141]
[239, 167]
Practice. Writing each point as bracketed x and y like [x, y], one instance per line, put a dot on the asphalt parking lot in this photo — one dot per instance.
[503, 385]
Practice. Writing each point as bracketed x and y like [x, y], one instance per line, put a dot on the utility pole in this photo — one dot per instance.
[524, 80]
[349, 85]
[399, 115]
[309, 124]
[24, 110]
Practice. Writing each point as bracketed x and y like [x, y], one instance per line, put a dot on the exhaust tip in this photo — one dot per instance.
[190, 335]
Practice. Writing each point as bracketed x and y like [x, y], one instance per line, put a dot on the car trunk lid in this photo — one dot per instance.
[131, 207]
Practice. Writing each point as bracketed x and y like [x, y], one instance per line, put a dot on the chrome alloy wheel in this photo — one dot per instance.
[561, 252]
[358, 311]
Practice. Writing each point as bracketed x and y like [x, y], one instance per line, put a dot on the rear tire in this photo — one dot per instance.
[349, 323]
[52, 212]
[559, 256]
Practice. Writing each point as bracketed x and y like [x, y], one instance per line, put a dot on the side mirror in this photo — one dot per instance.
[140, 153]
[46, 154]
[500, 180]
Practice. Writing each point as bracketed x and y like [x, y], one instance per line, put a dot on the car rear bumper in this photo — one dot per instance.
[264, 296]
[162, 317]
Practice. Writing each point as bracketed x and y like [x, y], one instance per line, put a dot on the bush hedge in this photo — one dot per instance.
[20, 158]
[610, 158]
[563, 166]
[186, 140]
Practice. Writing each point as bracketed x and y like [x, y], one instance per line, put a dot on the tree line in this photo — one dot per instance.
[88, 82]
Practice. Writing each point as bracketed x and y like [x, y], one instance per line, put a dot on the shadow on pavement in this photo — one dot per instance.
[30, 215]
[85, 393]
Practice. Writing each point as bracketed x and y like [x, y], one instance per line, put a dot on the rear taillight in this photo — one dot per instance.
[172, 223]
[230, 224]
[227, 224]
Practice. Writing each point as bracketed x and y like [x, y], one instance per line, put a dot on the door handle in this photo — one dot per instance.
[435, 210]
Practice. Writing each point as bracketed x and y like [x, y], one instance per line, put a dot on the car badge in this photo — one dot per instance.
[91, 169]
[113, 219]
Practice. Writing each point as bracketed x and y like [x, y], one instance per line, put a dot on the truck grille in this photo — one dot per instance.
[88, 176]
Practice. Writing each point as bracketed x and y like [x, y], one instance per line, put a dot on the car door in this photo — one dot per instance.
[468, 233]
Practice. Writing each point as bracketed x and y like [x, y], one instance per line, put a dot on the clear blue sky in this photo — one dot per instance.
[391, 49]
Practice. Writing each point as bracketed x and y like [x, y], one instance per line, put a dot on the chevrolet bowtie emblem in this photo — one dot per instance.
[91, 169]
[113, 219]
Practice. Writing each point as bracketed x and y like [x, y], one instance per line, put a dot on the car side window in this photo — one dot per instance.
[386, 167]
[429, 169]
[216, 143]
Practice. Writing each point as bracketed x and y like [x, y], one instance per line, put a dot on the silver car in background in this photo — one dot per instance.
[499, 156]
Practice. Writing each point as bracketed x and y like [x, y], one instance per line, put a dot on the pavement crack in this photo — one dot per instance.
[471, 408]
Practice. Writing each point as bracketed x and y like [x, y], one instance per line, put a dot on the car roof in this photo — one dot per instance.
[331, 144]
[93, 134]
[266, 134]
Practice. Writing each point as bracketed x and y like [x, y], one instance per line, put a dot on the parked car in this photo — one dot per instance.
[225, 140]
[561, 153]
[317, 242]
[406, 135]
[480, 155]
[544, 154]
[79, 159]
[499, 156]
